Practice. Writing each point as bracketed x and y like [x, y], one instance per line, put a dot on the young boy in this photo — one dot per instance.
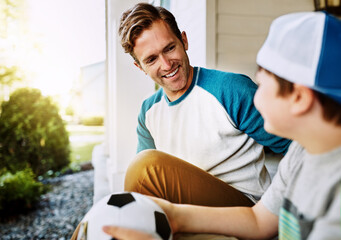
[299, 96]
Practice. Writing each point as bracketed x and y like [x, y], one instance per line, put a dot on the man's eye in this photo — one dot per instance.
[150, 60]
[170, 48]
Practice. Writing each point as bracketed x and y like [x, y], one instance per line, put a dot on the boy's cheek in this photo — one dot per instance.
[256, 100]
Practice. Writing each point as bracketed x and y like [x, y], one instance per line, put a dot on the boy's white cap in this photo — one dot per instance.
[305, 48]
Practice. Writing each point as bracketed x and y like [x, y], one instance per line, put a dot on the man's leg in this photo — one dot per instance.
[162, 175]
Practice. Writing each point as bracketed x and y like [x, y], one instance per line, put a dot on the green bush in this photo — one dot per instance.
[32, 134]
[92, 121]
[19, 191]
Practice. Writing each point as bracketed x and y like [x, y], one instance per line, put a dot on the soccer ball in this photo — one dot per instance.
[127, 209]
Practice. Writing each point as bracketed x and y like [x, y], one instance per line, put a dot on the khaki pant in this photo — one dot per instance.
[162, 175]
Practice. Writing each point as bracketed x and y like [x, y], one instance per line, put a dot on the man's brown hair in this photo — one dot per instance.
[139, 18]
[331, 110]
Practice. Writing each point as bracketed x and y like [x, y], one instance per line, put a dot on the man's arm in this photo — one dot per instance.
[239, 104]
[145, 140]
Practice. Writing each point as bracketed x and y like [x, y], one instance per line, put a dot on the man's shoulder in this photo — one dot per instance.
[212, 77]
[151, 100]
[210, 73]
[226, 86]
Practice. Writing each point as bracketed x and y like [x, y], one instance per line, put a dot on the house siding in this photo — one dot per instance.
[242, 26]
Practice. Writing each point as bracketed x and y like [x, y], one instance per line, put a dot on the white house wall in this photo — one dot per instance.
[242, 26]
[93, 90]
[191, 18]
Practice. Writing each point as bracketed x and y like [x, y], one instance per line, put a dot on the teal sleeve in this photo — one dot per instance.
[144, 138]
[249, 120]
[235, 92]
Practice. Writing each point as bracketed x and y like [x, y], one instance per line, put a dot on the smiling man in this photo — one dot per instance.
[200, 137]
[162, 56]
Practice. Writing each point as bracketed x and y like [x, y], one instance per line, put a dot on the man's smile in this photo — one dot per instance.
[172, 73]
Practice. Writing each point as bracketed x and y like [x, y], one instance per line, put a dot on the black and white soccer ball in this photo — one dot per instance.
[127, 209]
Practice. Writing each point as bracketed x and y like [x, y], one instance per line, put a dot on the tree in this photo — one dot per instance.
[11, 15]
[12, 20]
[9, 75]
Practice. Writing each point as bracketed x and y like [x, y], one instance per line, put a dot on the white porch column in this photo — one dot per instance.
[127, 86]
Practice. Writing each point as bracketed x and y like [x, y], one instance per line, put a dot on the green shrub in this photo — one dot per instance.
[19, 192]
[32, 134]
[92, 121]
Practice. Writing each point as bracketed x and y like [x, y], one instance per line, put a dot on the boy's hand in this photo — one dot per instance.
[131, 234]
[169, 209]
[126, 233]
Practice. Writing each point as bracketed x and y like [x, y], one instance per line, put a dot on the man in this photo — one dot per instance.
[299, 96]
[199, 117]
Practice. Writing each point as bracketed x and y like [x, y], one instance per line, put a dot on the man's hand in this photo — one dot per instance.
[126, 233]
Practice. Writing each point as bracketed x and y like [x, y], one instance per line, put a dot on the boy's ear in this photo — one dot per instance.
[302, 99]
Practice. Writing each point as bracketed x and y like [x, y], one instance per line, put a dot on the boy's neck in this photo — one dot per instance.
[321, 139]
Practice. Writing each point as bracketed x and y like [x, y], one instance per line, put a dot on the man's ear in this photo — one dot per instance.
[302, 99]
[139, 66]
[184, 40]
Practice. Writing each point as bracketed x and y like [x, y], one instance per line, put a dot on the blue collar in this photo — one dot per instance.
[196, 71]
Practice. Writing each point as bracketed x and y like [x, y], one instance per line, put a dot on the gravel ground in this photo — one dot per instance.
[58, 212]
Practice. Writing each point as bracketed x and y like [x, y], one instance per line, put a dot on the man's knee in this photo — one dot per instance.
[144, 159]
[139, 167]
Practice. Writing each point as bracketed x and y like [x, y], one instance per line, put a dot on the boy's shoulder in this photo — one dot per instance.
[293, 157]
[324, 163]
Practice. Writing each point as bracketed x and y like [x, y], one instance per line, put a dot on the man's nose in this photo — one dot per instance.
[165, 63]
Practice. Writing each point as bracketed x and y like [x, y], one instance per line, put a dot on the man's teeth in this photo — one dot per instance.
[172, 73]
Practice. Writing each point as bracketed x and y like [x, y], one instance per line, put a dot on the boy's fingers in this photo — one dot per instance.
[125, 233]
